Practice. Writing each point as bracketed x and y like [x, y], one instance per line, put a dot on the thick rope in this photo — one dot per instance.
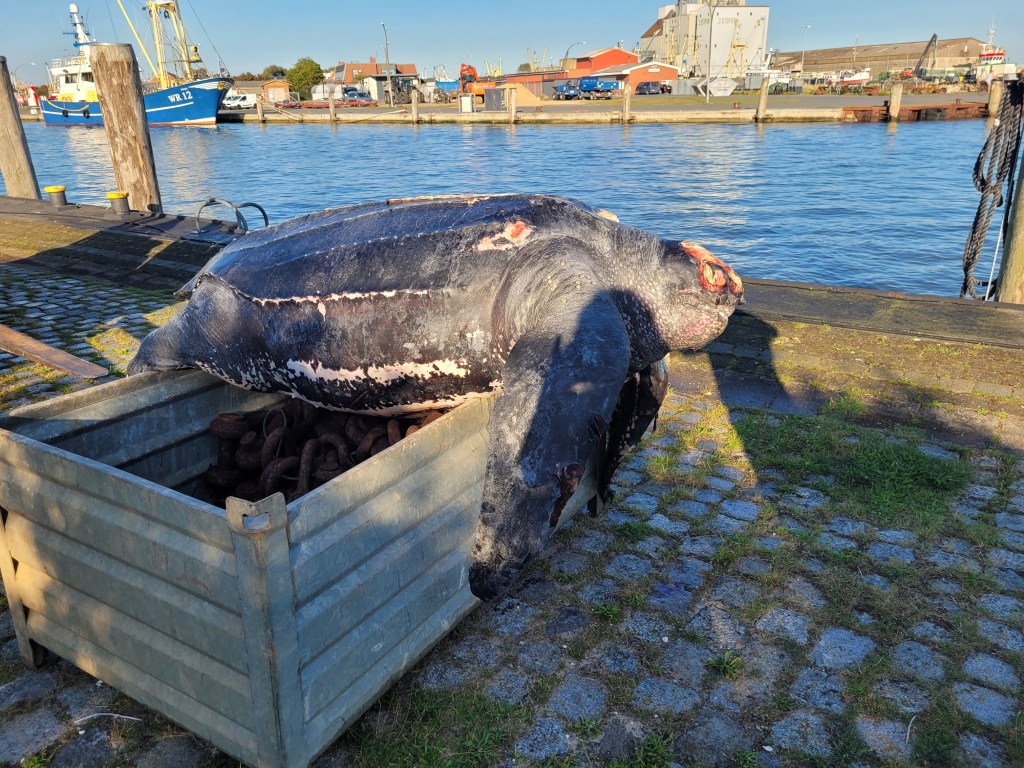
[995, 167]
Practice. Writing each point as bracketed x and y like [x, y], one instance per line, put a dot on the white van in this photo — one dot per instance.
[239, 101]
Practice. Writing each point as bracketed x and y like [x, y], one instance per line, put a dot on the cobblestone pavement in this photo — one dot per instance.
[734, 617]
[87, 318]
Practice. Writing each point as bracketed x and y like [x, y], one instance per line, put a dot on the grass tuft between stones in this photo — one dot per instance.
[454, 730]
[888, 482]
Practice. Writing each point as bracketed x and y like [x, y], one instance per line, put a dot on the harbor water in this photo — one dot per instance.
[868, 205]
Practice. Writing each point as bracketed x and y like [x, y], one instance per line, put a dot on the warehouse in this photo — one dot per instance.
[888, 57]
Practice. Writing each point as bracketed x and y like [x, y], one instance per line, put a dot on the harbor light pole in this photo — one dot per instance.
[387, 67]
[16, 81]
[565, 59]
[803, 53]
[711, 28]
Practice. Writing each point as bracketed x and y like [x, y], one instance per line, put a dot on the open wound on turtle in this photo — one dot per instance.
[392, 308]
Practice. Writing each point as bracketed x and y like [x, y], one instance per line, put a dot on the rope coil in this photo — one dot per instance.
[995, 166]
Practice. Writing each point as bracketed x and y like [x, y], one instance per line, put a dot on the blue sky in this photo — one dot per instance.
[252, 34]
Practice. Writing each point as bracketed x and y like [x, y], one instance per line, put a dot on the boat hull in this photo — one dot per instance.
[194, 103]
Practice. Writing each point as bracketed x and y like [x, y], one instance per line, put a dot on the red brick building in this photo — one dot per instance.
[353, 72]
[602, 58]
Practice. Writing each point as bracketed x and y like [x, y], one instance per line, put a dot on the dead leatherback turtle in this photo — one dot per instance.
[404, 305]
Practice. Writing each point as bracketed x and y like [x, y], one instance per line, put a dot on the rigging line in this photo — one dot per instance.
[208, 38]
[113, 26]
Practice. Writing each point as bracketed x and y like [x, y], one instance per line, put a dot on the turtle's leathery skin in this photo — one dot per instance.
[400, 306]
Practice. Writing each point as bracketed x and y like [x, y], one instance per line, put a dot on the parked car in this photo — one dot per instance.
[287, 104]
[652, 88]
[359, 99]
[239, 101]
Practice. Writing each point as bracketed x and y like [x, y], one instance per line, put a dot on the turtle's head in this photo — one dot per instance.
[699, 292]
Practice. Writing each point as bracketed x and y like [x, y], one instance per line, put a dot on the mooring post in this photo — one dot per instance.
[330, 107]
[895, 102]
[124, 121]
[627, 103]
[762, 102]
[1011, 268]
[510, 95]
[259, 110]
[415, 105]
[15, 160]
[995, 95]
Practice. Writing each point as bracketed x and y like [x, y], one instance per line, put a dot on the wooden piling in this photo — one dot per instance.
[995, 95]
[510, 95]
[259, 111]
[124, 121]
[895, 102]
[627, 103]
[330, 107]
[1011, 268]
[762, 102]
[15, 160]
[415, 106]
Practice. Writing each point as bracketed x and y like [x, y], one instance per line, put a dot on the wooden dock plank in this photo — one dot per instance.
[18, 343]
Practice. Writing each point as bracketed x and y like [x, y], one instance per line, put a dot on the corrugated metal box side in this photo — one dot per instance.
[101, 568]
[386, 578]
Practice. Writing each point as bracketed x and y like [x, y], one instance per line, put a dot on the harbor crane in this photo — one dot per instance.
[920, 70]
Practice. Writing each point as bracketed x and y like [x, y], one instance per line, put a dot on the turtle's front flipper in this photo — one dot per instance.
[637, 408]
[562, 376]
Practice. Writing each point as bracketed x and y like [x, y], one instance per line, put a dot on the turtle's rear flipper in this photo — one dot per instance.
[637, 408]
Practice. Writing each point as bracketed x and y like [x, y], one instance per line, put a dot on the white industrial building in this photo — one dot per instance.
[723, 38]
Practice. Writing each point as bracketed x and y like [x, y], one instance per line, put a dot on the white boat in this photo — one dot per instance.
[851, 77]
[178, 95]
[992, 60]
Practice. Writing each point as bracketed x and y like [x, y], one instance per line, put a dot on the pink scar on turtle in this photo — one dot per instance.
[512, 235]
[714, 274]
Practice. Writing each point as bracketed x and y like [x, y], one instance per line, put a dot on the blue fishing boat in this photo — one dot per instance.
[178, 94]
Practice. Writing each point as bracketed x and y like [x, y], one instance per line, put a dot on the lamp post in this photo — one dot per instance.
[565, 59]
[387, 67]
[30, 64]
[803, 53]
[711, 28]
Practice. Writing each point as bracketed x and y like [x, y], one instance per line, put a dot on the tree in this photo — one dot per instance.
[273, 72]
[304, 75]
[525, 67]
[246, 77]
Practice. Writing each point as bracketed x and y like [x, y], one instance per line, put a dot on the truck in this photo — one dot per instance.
[567, 91]
[595, 88]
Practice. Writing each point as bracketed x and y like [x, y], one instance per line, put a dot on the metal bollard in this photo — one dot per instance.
[118, 203]
[56, 194]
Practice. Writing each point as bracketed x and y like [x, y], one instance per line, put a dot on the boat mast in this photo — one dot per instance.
[161, 71]
[185, 49]
[181, 49]
[82, 36]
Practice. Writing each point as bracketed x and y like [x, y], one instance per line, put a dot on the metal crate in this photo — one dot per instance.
[266, 629]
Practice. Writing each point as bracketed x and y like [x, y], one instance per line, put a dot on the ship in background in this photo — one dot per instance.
[992, 63]
[180, 93]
